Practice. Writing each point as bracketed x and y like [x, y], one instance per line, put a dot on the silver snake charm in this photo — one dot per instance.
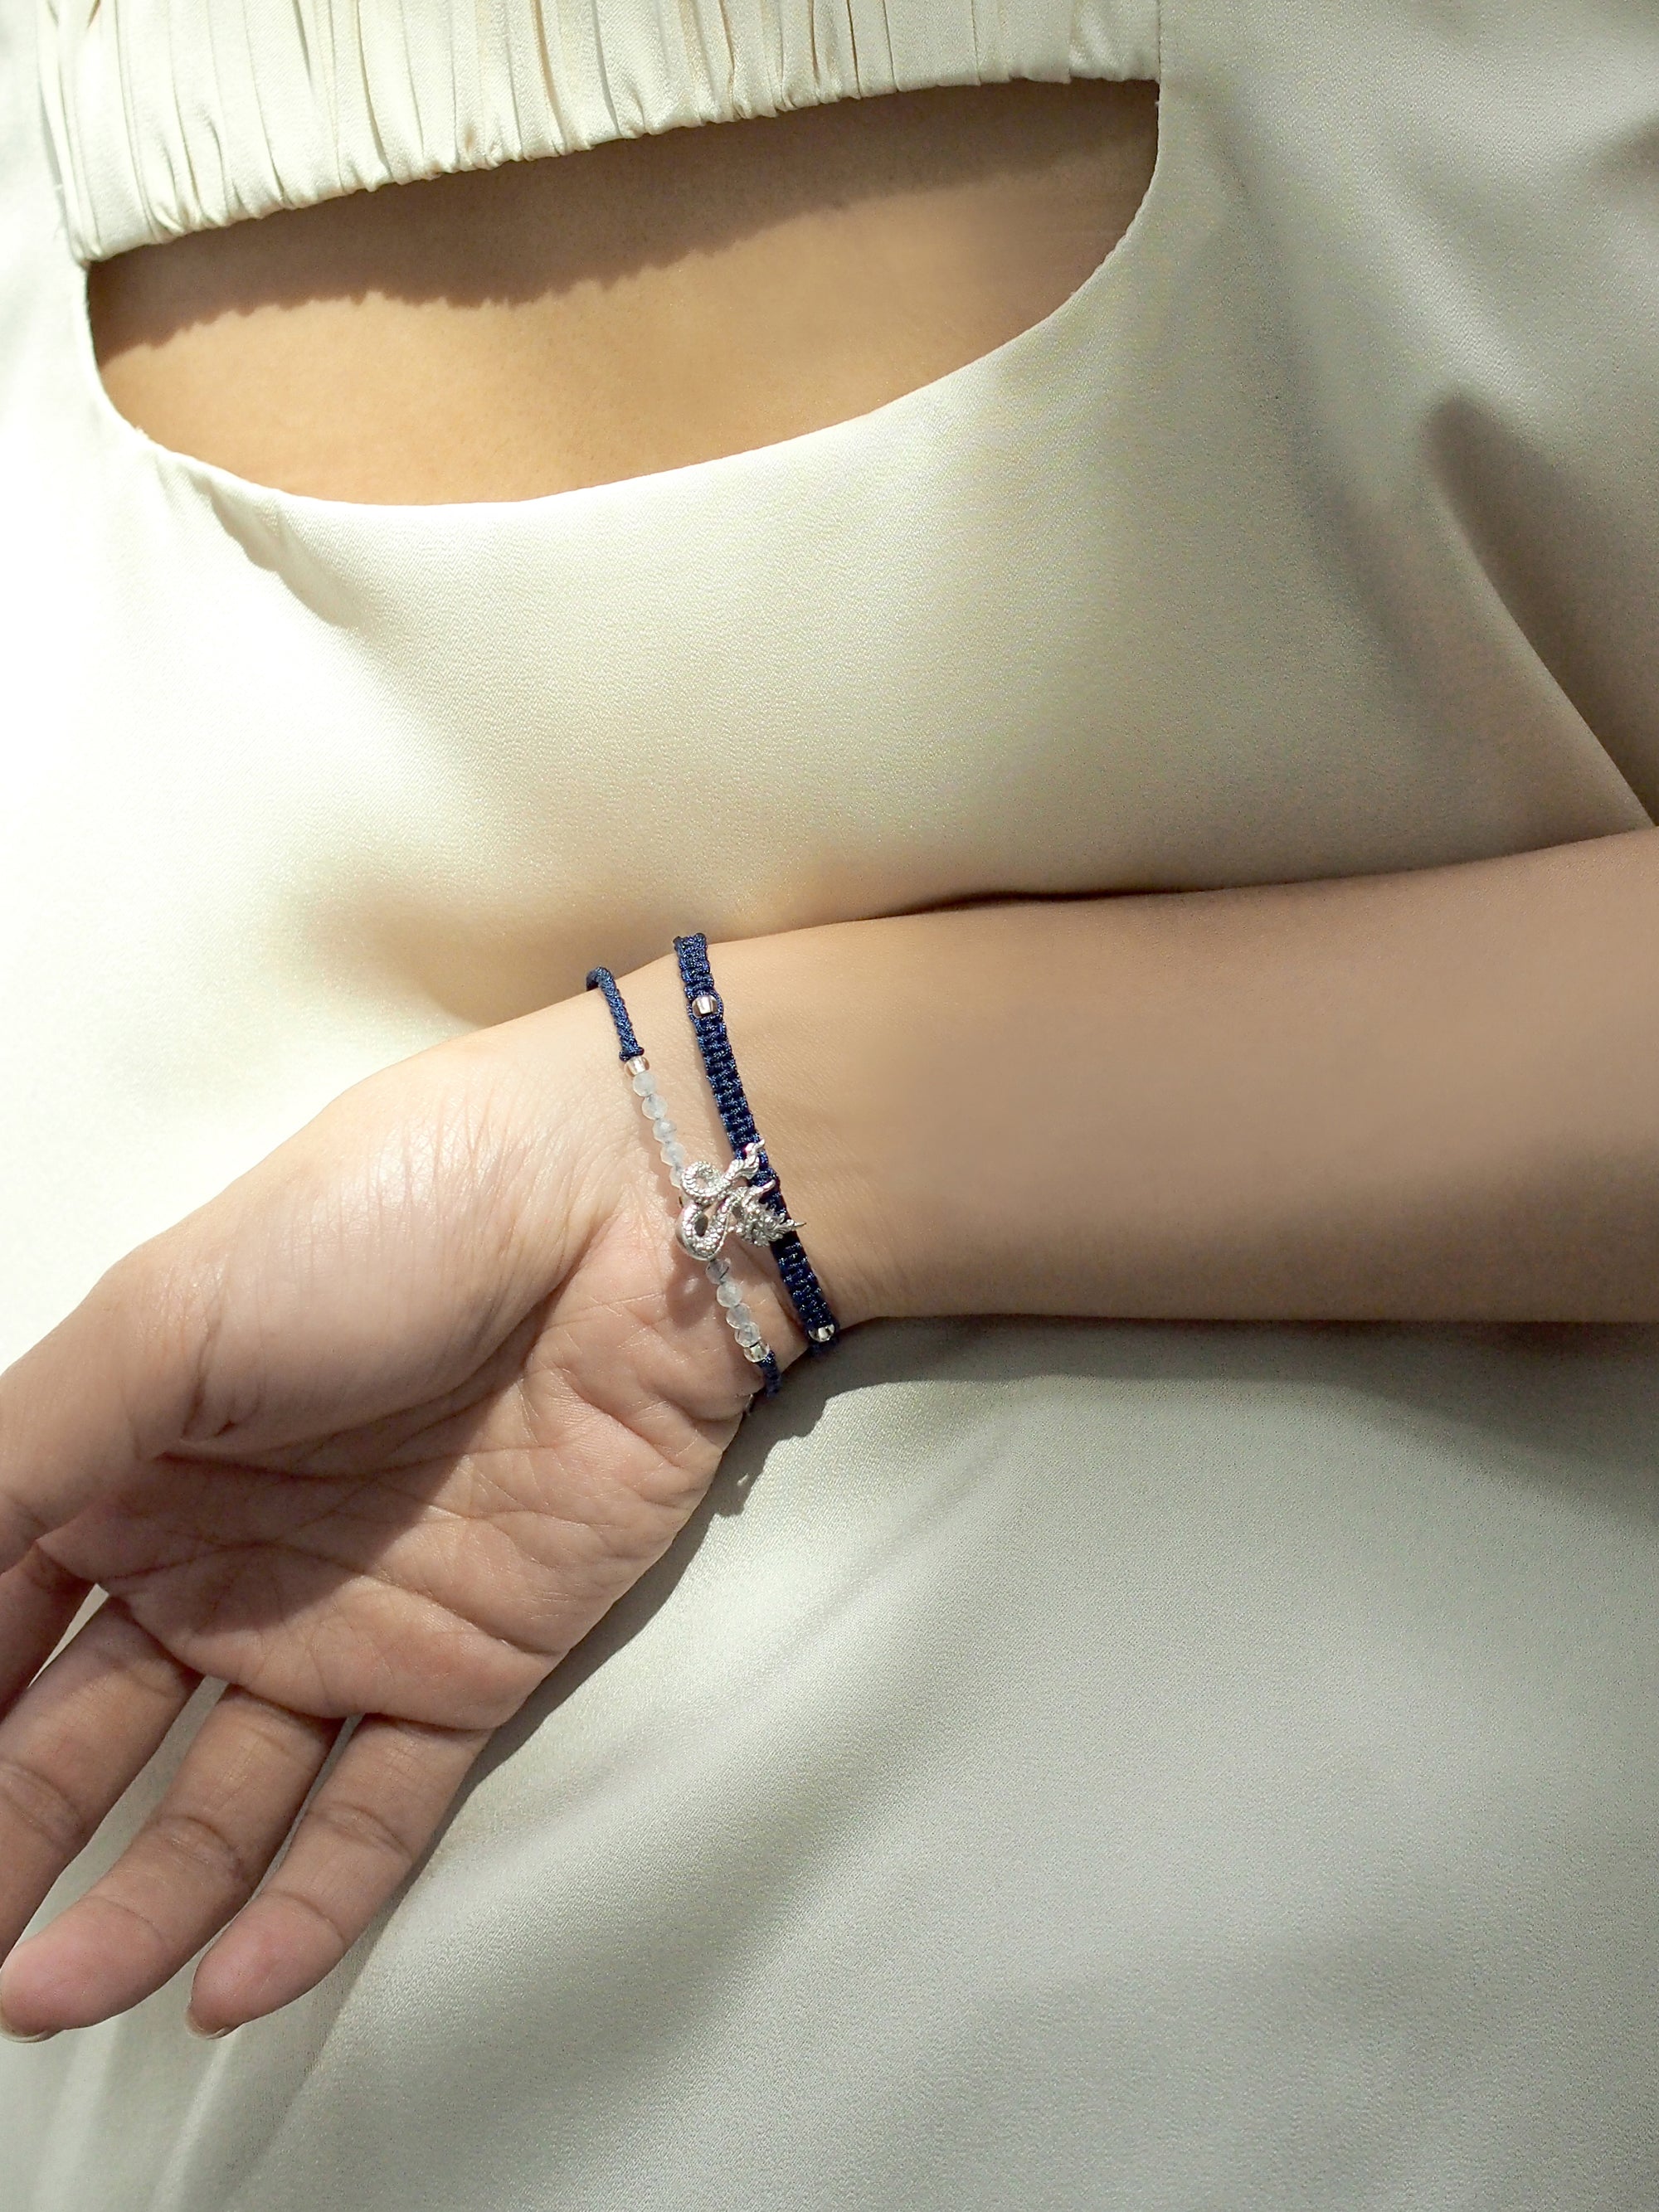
[725, 1202]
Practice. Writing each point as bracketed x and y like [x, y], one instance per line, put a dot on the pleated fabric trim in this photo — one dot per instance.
[171, 116]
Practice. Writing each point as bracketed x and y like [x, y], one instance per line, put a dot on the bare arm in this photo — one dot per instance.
[1430, 1096]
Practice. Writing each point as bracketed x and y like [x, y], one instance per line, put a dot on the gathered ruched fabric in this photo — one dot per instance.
[171, 116]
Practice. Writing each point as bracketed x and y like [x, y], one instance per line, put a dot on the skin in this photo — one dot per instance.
[385, 1428]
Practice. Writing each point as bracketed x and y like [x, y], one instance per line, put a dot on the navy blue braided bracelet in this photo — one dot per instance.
[708, 1014]
[601, 979]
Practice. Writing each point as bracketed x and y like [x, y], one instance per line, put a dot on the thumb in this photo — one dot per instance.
[112, 1387]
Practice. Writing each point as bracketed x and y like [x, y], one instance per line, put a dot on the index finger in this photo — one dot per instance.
[107, 1390]
[38, 1599]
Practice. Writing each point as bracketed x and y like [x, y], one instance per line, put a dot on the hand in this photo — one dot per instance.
[381, 1431]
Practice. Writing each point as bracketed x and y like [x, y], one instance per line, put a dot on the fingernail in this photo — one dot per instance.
[21, 2035]
[206, 2034]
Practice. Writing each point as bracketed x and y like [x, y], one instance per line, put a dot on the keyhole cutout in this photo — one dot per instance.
[549, 325]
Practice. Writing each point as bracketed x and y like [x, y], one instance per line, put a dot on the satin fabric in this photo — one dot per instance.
[1065, 1765]
[170, 116]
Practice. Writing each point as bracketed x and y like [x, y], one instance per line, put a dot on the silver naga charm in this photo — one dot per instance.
[725, 1202]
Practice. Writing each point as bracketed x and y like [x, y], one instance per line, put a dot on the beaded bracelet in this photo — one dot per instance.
[720, 1202]
[708, 1022]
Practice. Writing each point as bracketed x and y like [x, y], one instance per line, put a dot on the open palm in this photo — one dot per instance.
[381, 1432]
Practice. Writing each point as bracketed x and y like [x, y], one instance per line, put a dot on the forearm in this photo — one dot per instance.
[1423, 1096]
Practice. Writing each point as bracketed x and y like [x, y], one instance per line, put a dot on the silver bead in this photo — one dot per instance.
[705, 1003]
[757, 1353]
[822, 1335]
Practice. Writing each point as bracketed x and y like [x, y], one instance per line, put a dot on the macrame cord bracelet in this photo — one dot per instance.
[720, 1202]
[708, 1014]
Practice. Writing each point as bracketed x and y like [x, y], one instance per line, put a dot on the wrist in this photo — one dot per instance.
[657, 1011]
[799, 1105]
